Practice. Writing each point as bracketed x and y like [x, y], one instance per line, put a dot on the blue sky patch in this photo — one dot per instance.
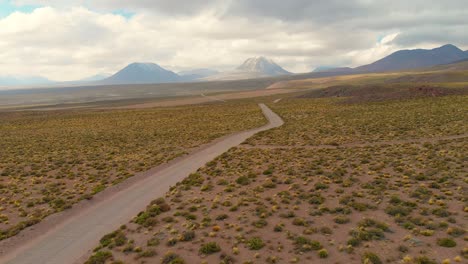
[124, 13]
[380, 38]
[7, 7]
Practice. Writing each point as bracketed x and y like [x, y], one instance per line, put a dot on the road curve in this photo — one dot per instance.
[73, 238]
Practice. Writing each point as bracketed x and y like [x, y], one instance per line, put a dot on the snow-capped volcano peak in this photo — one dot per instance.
[252, 68]
[262, 65]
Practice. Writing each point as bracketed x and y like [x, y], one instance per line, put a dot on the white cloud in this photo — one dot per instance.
[382, 48]
[68, 40]
[388, 38]
[65, 44]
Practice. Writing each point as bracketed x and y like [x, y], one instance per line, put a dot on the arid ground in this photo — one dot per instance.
[52, 160]
[366, 169]
[340, 182]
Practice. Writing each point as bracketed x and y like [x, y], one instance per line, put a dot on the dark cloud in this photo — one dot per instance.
[454, 35]
[300, 10]
[418, 21]
[300, 34]
[171, 7]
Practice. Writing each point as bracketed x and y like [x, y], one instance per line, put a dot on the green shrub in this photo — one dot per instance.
[255, 243]
[341, 220]
[321, 186]
[226, 259]
[172, 258]
[316, 199]
[206, 188]
[222, 217]
[260, 223]
[116, 238]
[455, 231]
[243, 180]
[305, 244]
[367, 222]
[278, 228]
[403, 249]
[326, 230]
[147, 253]
[299, 222]
[97, 189]
[440, 212]
[58, 204]
[421, 193]
[353, 242]
[210, 248]
[187, 236]
[370, 258]
[367, 234]
[315, 245]
[152, 242]
[323, 253]
[446, 242]
[395, 210]
[424, 260]
[171, 242]
[99, 257]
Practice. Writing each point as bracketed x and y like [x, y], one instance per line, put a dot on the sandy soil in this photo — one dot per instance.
[68, 236]
[207, 98]
[282, 198]
[326, 81]
[352, 145]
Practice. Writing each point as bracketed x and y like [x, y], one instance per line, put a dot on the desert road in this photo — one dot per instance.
[73, 238]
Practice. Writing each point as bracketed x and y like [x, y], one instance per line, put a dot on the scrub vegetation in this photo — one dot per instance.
[370, 182]
[52, 160]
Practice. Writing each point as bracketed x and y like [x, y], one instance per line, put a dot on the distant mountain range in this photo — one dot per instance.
[197, 74]
[410, 59]
[95, 78]
[147, 73]
[142, 73]
[252, 68]
[263, 66]
[23, 80]
[413, 59]
[15, 82]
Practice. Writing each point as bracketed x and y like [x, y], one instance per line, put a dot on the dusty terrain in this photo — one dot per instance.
[338, 183]
[52, 160]
[77, 233]
[395, 81]
[209, 98]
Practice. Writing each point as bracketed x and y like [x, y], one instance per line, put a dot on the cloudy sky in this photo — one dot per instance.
[67, 40]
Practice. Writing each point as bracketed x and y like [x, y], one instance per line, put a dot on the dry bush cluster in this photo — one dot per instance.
[392, 203]
[327, 122]
[51, 160]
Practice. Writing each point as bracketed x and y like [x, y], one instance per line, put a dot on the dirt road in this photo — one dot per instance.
[74, 237]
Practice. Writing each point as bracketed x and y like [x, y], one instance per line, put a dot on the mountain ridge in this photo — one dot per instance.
[407, 59]
[251, 68]
[142, 73]
[196, 74]
[262, 65]
[416, 58]
[11, 80]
